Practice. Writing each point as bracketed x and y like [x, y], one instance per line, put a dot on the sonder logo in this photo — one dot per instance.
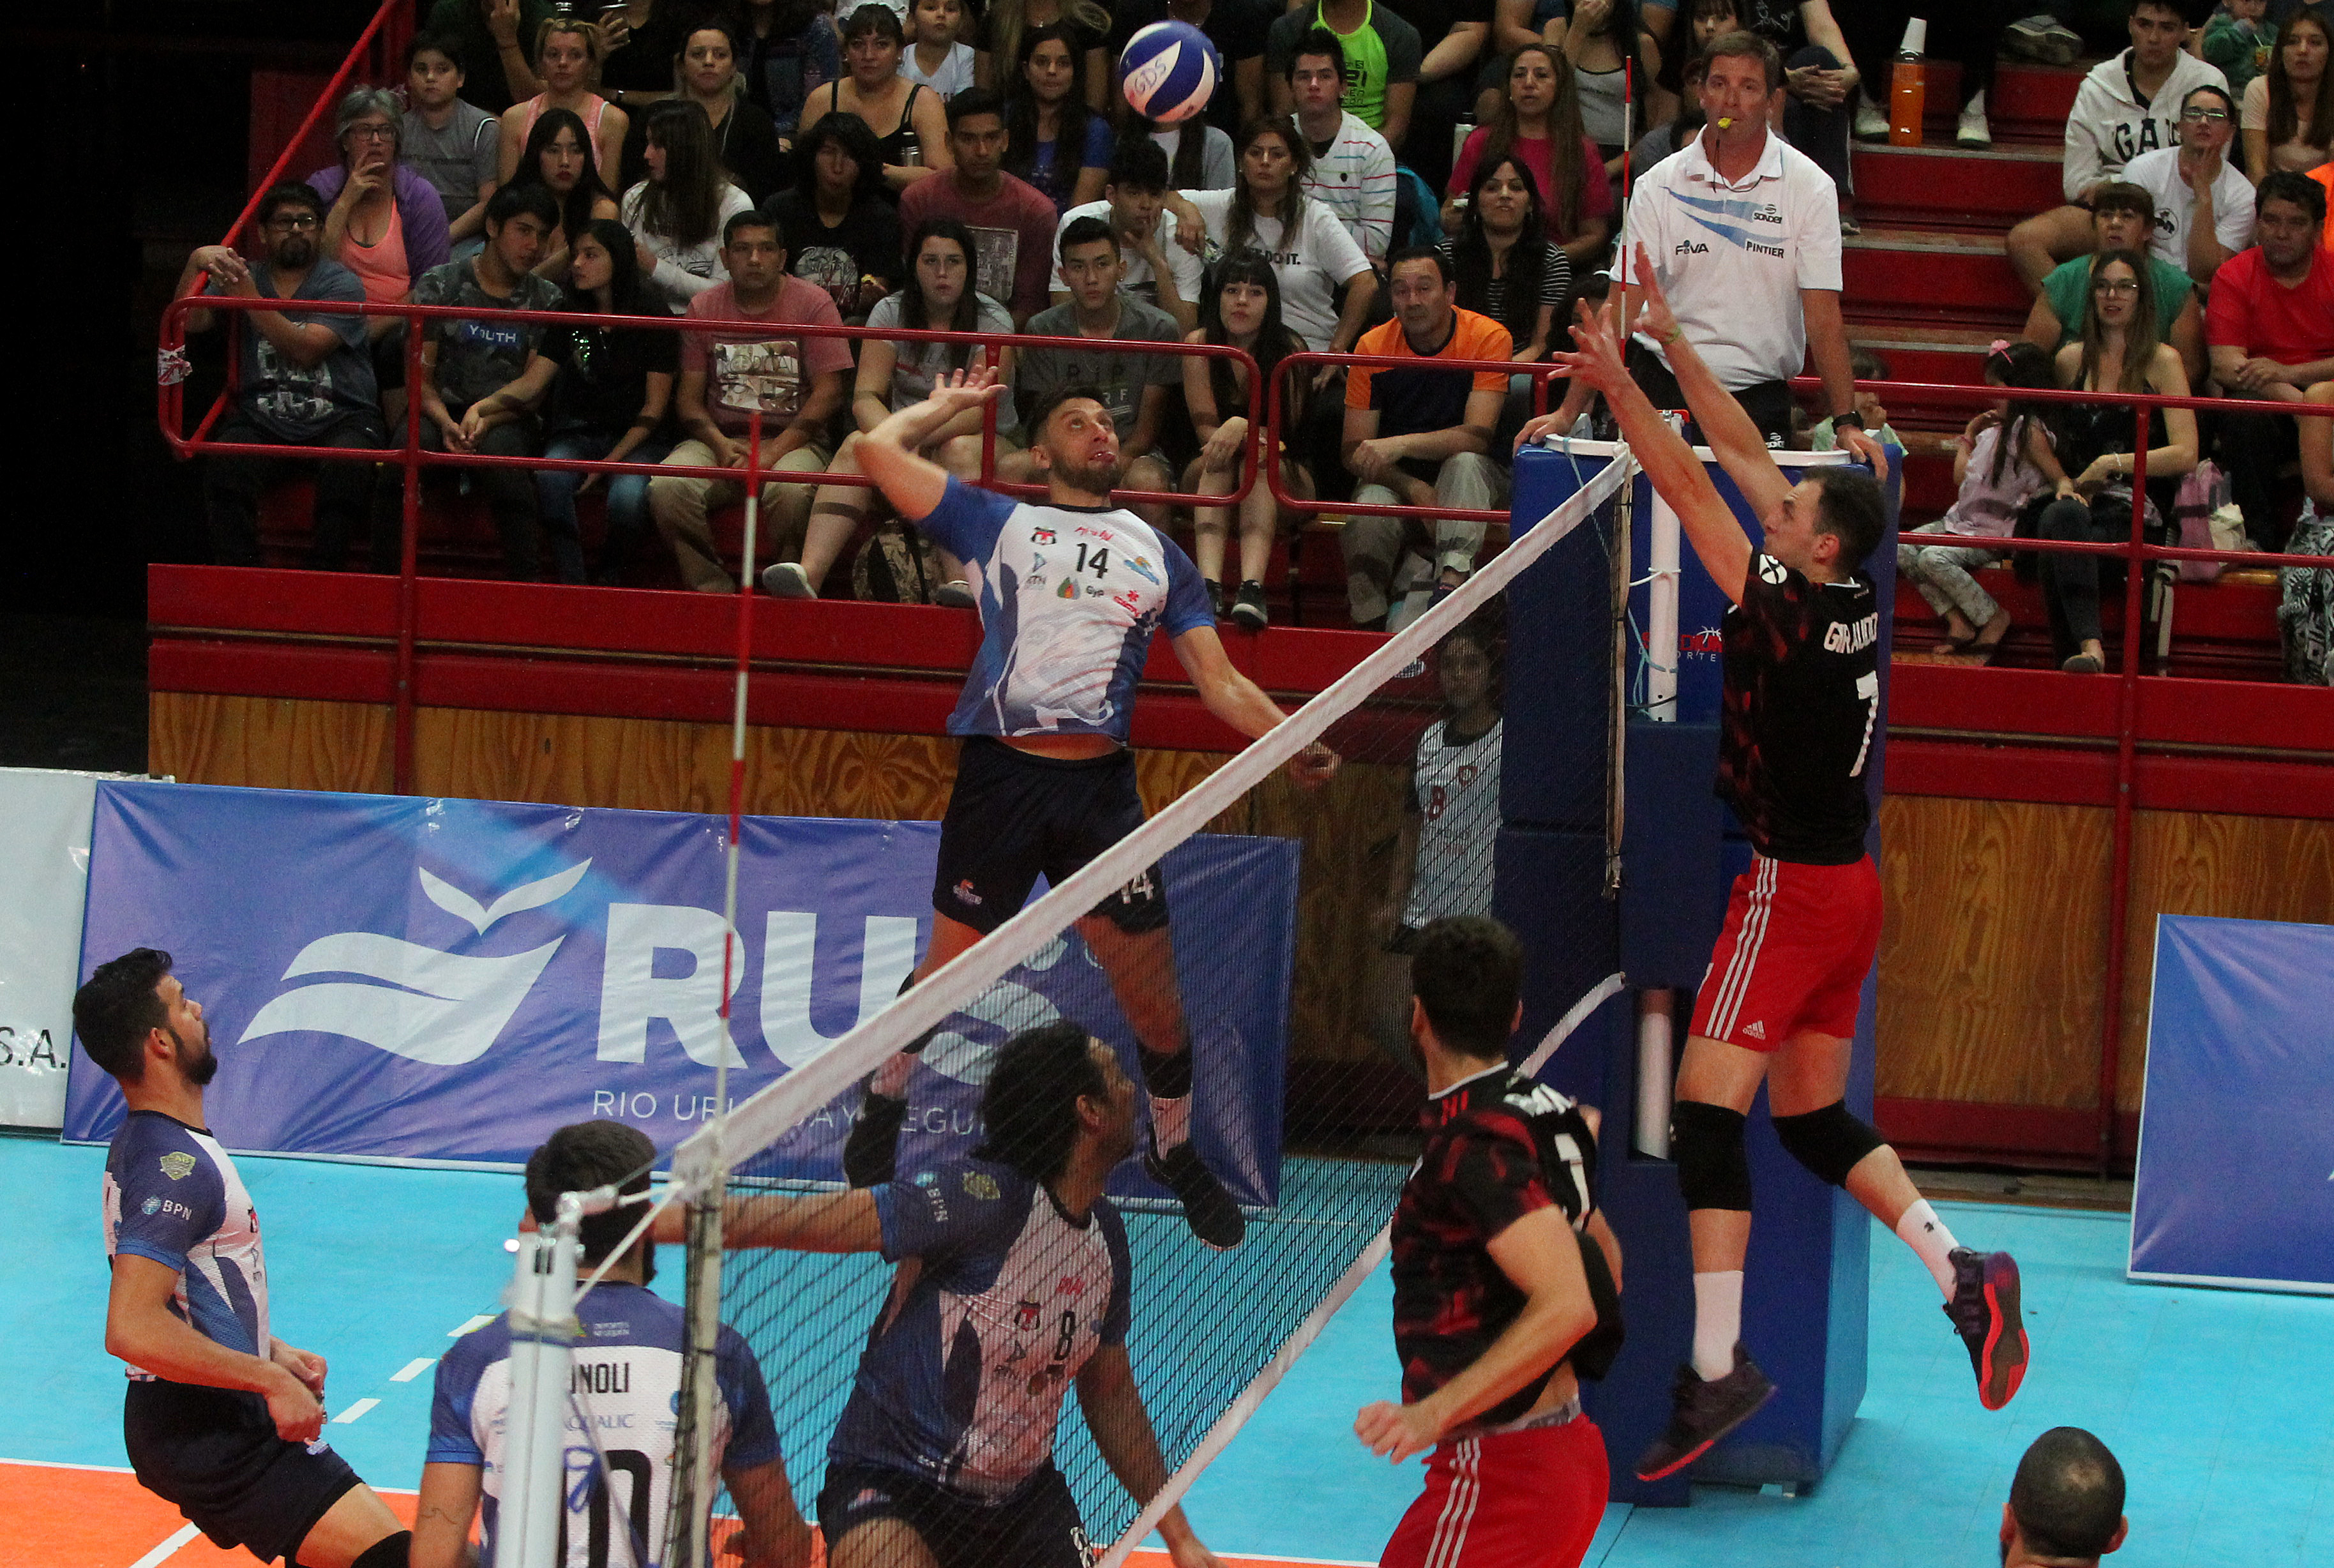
[415, 1002]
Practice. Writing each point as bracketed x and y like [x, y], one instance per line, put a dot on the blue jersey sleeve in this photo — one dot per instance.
[1122, 1277]
[951, 1211]
[968, 520]
[172, 1196]
[453, 1436]
[753, 1435]
[1187, 592]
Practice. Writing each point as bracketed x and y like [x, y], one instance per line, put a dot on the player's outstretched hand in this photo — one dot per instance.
[1598, 354]
[957, 390]
[1314, 767]
[293, 1405]
[1397, 1431]
[1654, 317]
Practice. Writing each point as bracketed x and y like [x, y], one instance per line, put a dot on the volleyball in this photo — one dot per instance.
[1169, 71]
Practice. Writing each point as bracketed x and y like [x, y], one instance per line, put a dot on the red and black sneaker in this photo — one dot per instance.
[1701, 1412]
[1985, 1311]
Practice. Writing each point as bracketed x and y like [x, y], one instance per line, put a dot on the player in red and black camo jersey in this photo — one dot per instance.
[1779, 1002]
[1504, 1282]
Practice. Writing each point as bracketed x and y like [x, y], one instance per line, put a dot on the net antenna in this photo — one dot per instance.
[543, 1334]
[694, 1485]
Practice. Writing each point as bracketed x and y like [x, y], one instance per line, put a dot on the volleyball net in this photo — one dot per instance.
[1166, 1106]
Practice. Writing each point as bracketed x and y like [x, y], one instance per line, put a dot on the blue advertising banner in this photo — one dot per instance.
[401, 979]
[2235, 1181]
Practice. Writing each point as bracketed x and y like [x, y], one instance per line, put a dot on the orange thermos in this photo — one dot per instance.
[1908, 89]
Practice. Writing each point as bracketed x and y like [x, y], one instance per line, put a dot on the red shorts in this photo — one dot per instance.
[1799, 941]
[1528, 1499]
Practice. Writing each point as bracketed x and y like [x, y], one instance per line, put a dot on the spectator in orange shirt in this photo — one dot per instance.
[1420, 437]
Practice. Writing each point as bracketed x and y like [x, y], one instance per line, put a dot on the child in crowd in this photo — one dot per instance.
[452, 145]
[1866, 366]
[935, 58]
[2005, 459]
[2238, 38]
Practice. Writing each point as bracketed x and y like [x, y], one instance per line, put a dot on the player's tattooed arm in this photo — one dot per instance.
[442, 1516]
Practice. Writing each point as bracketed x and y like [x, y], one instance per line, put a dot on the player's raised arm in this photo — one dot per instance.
[913, 484]
[1677, 474]
[1122, 1431]
[843, 1222]
[1241, 703]
[1733, 438]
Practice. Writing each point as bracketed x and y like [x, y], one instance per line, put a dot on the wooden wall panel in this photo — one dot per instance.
[1991, 950]
[269, 743]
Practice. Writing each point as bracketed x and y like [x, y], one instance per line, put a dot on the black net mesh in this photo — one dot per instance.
[1259, 960]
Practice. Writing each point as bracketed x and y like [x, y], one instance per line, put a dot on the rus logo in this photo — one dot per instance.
[419, 1003]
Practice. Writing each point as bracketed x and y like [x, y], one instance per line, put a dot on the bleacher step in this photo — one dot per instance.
[1954, 186]
[1931, 276]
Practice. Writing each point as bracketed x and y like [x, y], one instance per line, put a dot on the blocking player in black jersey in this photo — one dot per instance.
[1778, 1001]
[1504, 1282]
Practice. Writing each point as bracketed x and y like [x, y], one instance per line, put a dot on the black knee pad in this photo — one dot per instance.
[1706, 1142]
[388, 1551]
[1830, 1142]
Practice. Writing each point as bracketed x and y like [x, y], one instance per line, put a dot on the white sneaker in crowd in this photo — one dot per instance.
[2044, 38]
[1871, 121]
[1973, 131]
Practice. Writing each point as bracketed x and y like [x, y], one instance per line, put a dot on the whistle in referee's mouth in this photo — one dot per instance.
[1726, 123]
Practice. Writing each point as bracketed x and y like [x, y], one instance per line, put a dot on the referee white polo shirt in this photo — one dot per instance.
[1732, 258]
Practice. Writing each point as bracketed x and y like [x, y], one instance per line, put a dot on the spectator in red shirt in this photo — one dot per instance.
[1012, 222]
[796, 384]
[2270, 330]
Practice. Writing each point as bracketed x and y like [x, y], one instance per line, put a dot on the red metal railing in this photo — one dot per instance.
[413, 458]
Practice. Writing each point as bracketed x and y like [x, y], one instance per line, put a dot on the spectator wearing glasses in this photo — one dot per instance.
[452, 145]
[382, 220]
[2204, 204]
[2270, 326]
[482, 379]
[303, 378]
[490, 38]
[2123, 217]
[2127, 105]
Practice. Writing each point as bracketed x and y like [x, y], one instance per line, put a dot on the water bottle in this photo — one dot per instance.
[1908, 88]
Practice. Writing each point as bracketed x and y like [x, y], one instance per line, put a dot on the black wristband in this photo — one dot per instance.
[1851, 418]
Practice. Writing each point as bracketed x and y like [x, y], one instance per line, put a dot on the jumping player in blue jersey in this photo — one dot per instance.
[1013, 1289]
[1070, 594]
[221, 1418]
[1801, 696]
[627, 1378]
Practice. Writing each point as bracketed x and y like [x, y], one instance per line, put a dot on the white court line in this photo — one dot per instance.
[60, 1465]
[168, 1549]
[354, 1412]
[414, 1369]
[470, 1326]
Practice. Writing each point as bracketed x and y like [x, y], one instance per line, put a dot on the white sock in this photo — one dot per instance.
[892, 1078]
[1171, 1121]
[1926, 1233]
[1717, 1322]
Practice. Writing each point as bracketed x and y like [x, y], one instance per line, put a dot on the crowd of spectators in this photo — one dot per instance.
[1371, 176]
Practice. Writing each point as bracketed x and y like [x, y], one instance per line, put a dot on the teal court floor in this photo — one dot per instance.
[2220, 1404]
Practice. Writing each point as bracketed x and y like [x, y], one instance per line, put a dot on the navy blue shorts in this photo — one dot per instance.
[1034, 1526]
[1013, 816]
[213, 1452]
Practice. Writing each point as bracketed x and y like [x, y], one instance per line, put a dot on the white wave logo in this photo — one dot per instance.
[429, 1006]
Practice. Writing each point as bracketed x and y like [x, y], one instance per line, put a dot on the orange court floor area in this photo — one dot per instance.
[88, 1516]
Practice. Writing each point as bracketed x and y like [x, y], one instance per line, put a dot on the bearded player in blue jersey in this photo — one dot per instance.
[1013, 1289]
[1070, 594]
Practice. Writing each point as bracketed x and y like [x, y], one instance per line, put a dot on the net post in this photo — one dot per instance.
[543, 1330]
[694, 1482]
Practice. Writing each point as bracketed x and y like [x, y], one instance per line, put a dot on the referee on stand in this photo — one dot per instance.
[1505, 1283]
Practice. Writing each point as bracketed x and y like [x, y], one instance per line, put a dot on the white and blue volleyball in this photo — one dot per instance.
[1169, 71]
